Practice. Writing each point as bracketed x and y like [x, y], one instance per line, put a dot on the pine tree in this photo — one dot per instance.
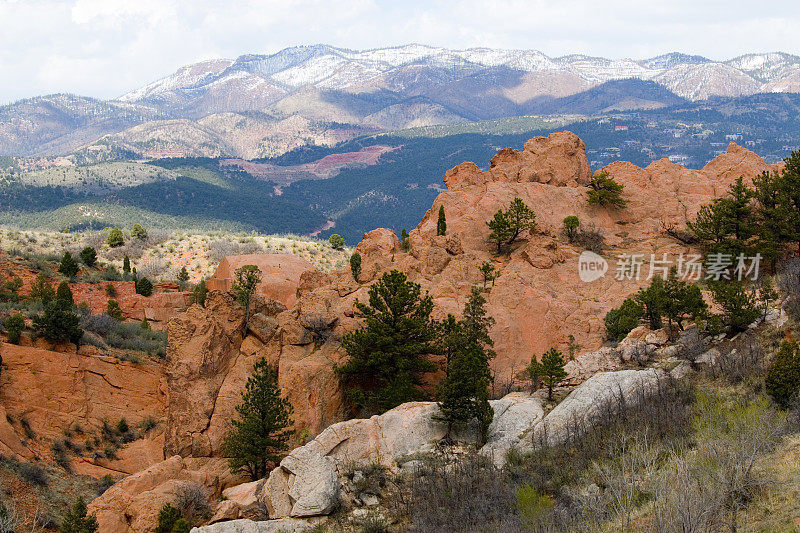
[199, 293]
[489, 274]
[89, 256]
[143, 286]
[621, 321]
[167, 516]
[507, 225]
[790, 186]
[571, 225]
[653, 301]
[68, 266]
[183, 276]
[389, 352]
[772, 215]
[605, 191]
[262, 429]
[681, 300]
[336, 241]
[42, 290]
[15, 324]
[138, 232]
[464, 393]
[355, 265]
[126, 265]
[728, 224]
[114, 310]
[550, 370]
[115, 238]
[739, 305]
[58, 323]
[64, 294]
[441, 224]
[783, 377]
[244, 285]
[404, 242]
[76, 521]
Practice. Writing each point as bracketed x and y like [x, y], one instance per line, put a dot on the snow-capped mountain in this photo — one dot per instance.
[331, 68]
[371, 90]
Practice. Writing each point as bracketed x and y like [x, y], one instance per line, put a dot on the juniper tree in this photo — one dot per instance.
[42, 290]
[15, 324]
[115, 238]
[76, 521]
[262, 430]
[138, 232]
[126, 265]
[605, 191]
[388, 354]
[89, 256]
[727, 224]
[336, 241]
[489, 273]
[183, 276]
[68, 266]
[143, 286]
[441, 224]
[622, 320]
[464, 393]
[404, 242]
[571, 225]
[355, 265]
[244, 285]
[58, 322]
[783, 377]
[64, 294]
[739, 305]
[114, 310]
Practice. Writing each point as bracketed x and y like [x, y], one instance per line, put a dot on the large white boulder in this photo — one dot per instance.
[304, 484]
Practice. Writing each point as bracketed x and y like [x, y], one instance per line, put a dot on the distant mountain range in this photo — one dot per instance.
[265, 105]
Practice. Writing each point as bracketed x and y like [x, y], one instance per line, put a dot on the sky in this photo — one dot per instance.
[105, 48]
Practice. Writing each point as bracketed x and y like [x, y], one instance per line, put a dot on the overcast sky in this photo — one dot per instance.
[104, 48]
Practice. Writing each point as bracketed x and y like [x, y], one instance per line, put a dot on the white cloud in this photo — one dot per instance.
[104, 48]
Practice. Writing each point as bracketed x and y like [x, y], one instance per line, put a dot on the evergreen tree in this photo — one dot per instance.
[489, 273]
[464, 393]
[790, 186]
[181, 526]
[605, 191]
[167, 516]
[15, 324]
[138, 232]
[404, 242]
[653, 301]
[64, 294]
[183, 276]
[571, 225]
[126, 265]
[244, 285]
[550, 370]
[144, 286]
[621, 321]
[76, 521]
[261, 432]
[89, 256]
[739, 305]
[145, 324]
[355, 265]
[58, 323]
[115, 238]
[68, 266]
[336, 241]
[728, 224]
[783, 377]
[507, 225]
[199, 293]
[114, 310]
[772, 215]
[389, 352]
[682, 300]
[42, 290]
[441, 224]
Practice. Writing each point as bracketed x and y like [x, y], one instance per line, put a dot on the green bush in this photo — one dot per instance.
[89, 256]
[571, 224]
[144, 287]
[138, 232]
[621, 321]
[114, 310]
[783, 378]
[336, 241]
[606, 192]
[68, 266]
[355, 265]
[14, 324]
[115, 238]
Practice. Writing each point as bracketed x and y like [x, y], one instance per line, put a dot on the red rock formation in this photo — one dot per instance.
[280, 274]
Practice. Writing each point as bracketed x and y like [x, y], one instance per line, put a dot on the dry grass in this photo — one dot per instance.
[163, 254]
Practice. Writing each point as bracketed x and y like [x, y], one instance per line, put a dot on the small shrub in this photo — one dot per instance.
[122, 426]
[138, 232]
[336, 241]
[33, 474]
[104, 483]
[783, 378]
[167, 517]
[114, 310]
[619, 322]
[111, 291]
[191, 499]
[14, 324]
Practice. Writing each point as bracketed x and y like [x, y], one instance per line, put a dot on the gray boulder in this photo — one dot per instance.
[284, 525]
